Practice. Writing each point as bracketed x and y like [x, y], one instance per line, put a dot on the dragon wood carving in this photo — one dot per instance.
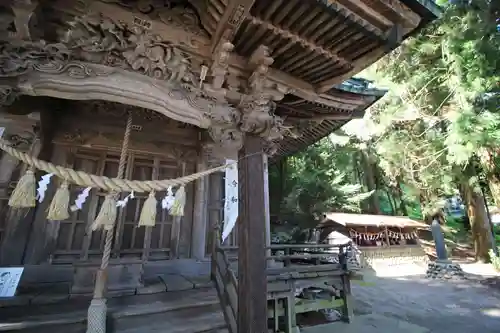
[100, 40]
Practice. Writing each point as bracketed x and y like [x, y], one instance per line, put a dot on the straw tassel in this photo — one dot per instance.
[107, 215]
[148, 213]
[59, 206]
[179, 202]
[23, 195]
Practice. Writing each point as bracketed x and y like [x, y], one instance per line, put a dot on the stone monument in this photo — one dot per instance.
[442, 268]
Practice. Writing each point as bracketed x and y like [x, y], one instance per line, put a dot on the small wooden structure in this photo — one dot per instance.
[296, 273]
[391, 240]
[205, 81]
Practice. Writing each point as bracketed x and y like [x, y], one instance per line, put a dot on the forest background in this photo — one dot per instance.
[433, 137]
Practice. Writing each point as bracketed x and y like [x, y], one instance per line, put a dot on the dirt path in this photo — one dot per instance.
[441, 307]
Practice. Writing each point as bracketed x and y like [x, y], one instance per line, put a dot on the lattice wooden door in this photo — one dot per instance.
[75, 240]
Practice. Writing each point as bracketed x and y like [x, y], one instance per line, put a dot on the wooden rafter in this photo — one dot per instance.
[235, 13]
[357, 19]
[297, 39]
[398, 9]
[395, 37]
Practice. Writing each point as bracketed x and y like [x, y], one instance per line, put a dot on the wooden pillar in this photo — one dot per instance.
[252, 280]
[7, 166]
[43, 233]
[266, 204]
[215, 207]
[175, 234]
[18, 221]
[200, 212]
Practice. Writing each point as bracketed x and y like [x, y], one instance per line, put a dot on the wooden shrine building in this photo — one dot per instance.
[204, 81]
[382, 240]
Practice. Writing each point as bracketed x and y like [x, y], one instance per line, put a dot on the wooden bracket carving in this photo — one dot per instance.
[8, 94]
[258, 105]
[25, 18]
[220, 65]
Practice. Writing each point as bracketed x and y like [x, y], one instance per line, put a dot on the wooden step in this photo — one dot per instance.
[192, 320]
[125, 314]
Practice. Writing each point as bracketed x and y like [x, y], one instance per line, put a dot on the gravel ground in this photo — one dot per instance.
[440, 306]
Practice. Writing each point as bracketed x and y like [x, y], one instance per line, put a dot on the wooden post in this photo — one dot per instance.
[17, 221]
[200, 212]
[266, 205]
[252, 279]
[215, 208]
[40, 233]
[175, 233]
[387, 237]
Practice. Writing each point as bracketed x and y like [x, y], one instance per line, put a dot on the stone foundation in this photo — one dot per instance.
[392, 256]
[445, 270]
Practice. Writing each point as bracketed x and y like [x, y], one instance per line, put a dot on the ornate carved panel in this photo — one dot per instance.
[176, 13]
[103, 55]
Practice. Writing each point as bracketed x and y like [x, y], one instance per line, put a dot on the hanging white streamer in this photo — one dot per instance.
[168, 201]
[123, 203]
[42, 186]
[80, 199]
[231, 200]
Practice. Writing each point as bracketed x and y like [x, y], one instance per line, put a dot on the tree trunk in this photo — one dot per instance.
[478, 217]
[392, 202]
[370, 183]
[402, 204]
[488, 164]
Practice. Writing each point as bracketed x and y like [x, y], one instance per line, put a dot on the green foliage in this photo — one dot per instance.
[425, 140]
[495, 261]
[315, 185]
[442, 109]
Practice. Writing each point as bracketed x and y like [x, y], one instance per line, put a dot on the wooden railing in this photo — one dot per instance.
[226, 284]
[298, 262]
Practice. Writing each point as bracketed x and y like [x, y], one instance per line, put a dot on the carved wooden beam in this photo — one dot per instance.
[197, 46]
[299, 40]
[81, 81]
[236, 11]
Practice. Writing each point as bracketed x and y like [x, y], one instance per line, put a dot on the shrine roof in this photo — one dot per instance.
[356, 94]
[361, 220]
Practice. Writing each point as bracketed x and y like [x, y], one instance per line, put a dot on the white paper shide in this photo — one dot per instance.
[231, 199]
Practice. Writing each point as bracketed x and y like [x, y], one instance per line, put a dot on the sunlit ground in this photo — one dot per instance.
[403, 294]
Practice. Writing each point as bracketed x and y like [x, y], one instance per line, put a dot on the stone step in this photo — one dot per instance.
[129, 314]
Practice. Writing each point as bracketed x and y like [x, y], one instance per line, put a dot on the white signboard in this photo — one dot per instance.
[9, 279]
[231, 200]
